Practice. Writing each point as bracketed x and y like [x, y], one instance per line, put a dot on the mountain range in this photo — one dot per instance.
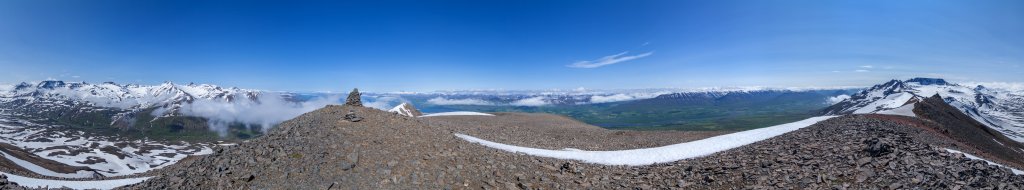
[999, 109]
[163, 110]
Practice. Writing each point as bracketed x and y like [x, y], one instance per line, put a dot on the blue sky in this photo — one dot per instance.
[436, 45]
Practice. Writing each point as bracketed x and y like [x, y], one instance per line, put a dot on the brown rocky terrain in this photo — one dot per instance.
[321, 150]
[353, 147]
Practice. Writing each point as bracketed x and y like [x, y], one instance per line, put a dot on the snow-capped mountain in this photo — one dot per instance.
[406, 109]
[60, 96]
[130, 96]
[174, 109]
[1002, 110]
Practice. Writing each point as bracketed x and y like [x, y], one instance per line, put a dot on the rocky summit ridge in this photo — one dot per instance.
[322, 150]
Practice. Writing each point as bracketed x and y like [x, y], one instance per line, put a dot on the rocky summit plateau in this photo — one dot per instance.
[320, 150]
[922, 143]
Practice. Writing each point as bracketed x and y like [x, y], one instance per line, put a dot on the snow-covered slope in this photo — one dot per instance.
[999, 109]
[93, 184]
[109, 156]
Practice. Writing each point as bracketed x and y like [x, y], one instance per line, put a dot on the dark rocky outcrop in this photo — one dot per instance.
[970, 133]
[928, 81]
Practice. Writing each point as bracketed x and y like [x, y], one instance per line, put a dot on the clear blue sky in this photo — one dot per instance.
[434, 45]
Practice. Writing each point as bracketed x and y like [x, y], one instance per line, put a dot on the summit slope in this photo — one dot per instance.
[321, 150]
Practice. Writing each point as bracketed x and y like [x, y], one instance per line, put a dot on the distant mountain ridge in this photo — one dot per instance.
[129, 97]
[118, 106]
[1002, 110]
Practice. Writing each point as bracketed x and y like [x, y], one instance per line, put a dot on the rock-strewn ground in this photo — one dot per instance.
[320, 150]
[850, 152]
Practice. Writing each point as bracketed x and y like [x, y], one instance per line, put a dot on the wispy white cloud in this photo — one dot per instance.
[867, 66]
[608, 60]
[836, 99]
[861, 70]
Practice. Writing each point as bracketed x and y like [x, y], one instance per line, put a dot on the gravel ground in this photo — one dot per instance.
[321, 150]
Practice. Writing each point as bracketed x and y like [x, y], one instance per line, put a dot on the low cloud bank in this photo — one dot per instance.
[382, 102]
[597, 99]
[467, 101]
[270, 109]
[1008, 86]
[836, 99]
[535, 101]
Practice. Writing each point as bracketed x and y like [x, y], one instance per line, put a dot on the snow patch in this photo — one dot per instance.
[905, 110]
[972, 157]
[48, 183]
[670, 153]
[455, 113]
[889, 102]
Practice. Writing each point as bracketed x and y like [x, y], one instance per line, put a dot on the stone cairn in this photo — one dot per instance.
[353, 100]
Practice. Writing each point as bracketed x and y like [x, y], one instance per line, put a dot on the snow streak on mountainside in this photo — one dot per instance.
[999, 109]
[219, 105]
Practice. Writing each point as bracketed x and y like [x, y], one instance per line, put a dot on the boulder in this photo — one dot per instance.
[351, 116]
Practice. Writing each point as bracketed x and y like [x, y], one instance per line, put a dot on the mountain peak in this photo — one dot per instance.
[928, 81]
[50, 84]
[406, 109]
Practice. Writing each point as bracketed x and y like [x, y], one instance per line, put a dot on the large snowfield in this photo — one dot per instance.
[670, 153]
[75, 148]
[48, 183]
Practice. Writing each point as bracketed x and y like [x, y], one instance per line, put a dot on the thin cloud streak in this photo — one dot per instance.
[608, 60]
